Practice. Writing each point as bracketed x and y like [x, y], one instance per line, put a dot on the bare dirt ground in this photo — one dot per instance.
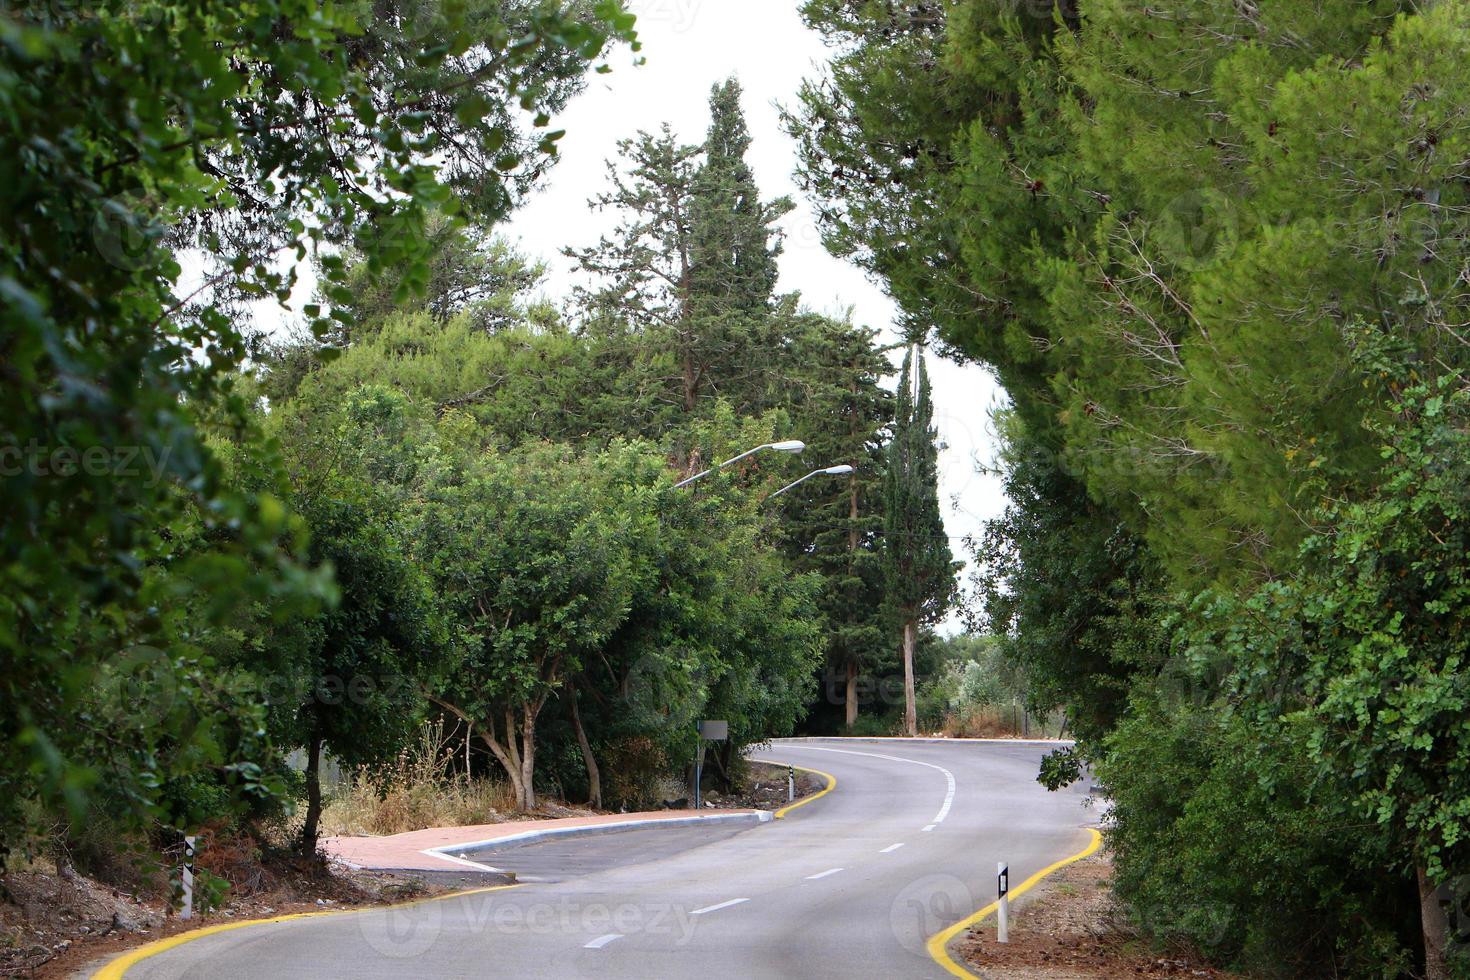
[54, 925]
[1066, 928]
[766, 789]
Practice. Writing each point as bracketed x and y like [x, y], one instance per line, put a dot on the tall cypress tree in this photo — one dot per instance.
[735, 246]
[733, 249]
[840, 407]
[919, 566]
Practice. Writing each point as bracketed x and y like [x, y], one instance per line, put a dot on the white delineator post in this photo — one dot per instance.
[186, 880]
[790, 784]
[1003, 911]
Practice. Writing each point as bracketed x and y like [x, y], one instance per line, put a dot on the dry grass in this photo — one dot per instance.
[997, 721]
[418, 790]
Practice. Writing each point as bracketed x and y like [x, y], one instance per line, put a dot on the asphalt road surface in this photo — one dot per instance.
[850, 885]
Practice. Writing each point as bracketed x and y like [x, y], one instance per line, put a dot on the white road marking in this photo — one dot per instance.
[823, 874]
[602, 941]
[431, 852]
[890, 847]
[716, 908]
[948, 776]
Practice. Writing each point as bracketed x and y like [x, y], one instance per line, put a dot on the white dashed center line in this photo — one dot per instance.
[931, 826]
[823, 874]
[890, 847]
[716, 908]
[602, 941]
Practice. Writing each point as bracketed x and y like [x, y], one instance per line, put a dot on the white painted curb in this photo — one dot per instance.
[903, 738]
[588, 830]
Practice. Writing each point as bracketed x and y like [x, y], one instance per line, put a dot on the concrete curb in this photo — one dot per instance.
[614, 827]
[902, 738]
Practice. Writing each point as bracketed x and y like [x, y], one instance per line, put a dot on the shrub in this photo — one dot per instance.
[633, 771]
[1223, 842]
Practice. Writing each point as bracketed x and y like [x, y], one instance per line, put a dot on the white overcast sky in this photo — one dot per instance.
[690, 45]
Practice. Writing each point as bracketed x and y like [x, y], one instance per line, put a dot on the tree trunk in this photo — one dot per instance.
[1436, 928]
[724, 756]
[512, 770]
[528, 756]
[505, 752]
[852, 695]
[594, 777]
[910, 717]
[313, 794]
[853, 541]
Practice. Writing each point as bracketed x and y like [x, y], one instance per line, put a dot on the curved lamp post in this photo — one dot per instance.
[789, 446]
[842, 470]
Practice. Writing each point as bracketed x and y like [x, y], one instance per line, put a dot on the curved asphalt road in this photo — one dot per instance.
[850, 885]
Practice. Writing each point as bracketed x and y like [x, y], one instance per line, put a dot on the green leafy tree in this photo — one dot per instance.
[471, 273]
[1381, 654]
[734, 248]
[920, 569]
[535, 544]
[1071, 594]
[356, 670]
[271, 127]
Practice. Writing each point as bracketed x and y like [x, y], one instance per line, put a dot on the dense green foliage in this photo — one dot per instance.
[972, 682]
[1215, 252]
[595, 611]
[269, 129]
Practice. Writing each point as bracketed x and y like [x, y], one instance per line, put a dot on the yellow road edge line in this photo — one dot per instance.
[938, 944]
[114, 969]
[831, 785]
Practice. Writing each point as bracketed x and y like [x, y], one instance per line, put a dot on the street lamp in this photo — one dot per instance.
[789, 446]
[842, 470]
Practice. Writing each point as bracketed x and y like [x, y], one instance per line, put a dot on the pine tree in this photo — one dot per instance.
[919, 566]
[692, 265]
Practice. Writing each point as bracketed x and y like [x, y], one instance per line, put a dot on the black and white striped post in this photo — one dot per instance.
[790, 784]
[186, 881]
[1003, 909]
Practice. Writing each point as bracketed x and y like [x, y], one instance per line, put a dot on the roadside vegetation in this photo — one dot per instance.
[425, 785]
[1216, 254]
[974, 690]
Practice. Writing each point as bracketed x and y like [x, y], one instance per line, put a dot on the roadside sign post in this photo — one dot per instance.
[706, 731]
[1003, 910]
[790, 784]
[186, 880]
[698, 768]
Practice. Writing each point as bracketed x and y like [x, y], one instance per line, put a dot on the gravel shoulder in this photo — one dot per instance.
[1068, 928]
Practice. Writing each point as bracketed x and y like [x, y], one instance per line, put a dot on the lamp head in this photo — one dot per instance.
[789, 446]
